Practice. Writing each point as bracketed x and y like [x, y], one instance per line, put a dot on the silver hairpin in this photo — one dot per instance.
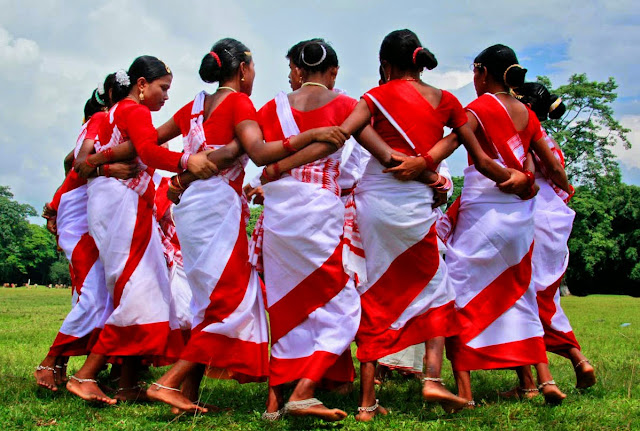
[324, 55]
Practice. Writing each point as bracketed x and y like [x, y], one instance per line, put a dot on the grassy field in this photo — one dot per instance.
[29, 319]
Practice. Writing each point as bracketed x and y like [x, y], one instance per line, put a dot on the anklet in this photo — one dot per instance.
[432, 379]
[528, 390]
[369, 409]
[83, 380]
[471, 403]
[272, 416]
[543, 384]
[43, 368]
[301, 405]
[580, 363]
[165, 387]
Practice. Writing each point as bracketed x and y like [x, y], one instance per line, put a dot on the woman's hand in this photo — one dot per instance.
[83, 169]
[518, 184]
[333, 135]
[257, 194]
[408, 168]
[439, 198]
[120, 170]
[200, 165]
[52, 225]
[174, 195]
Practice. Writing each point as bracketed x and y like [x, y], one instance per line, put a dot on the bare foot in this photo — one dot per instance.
[435, 392]
[135, 394]
[45, 377]
[88, 391]
[320, 411]
[553, 395]
[585, 375]
[519, 393]
[174, 398]
[210, 408]
[61, 370]
[365, 416]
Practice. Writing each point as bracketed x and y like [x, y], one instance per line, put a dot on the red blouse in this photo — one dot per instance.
[409, 108]
[219, 128]
[332, 114]
[134, 122]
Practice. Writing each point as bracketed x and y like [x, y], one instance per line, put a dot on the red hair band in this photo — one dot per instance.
[415, 53]
[214, 55]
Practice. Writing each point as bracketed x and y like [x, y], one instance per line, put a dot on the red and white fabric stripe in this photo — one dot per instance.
[407, 298]
[229, 328]
[553, 223]
[139, 184]
[489, 259]
[143, 322]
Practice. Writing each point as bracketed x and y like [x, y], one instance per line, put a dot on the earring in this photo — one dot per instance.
[242, 79]
[141, 96]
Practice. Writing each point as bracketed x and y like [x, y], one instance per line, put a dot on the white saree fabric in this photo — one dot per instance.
[494, 232]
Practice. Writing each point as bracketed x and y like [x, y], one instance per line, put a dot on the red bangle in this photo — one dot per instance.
[276, 172]
[429, 161]
[91, 165]
[108, 154]
[287, 145]
[436, 183]
[105, 170]
[530, 177]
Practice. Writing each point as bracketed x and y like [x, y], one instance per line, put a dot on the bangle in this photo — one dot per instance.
[429, 161]
[530, 177]
[184, 161]
[105, 170]
[276, 172]
[91, 165]
[176, 183]
[108, 154]
[287, 145]
[98, 171]
[436, 183]
[444, 187]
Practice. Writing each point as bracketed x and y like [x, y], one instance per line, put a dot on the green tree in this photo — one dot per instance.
[59, 271]
[14, 229]
[588, 130]
[38, 253]
[255, 215]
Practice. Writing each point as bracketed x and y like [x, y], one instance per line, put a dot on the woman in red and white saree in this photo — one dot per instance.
[405, 292]
[68, 212]
[143, 322]
[489, 252]
[553, 222]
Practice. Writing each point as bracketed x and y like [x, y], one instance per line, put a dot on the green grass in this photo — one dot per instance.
[29, 319]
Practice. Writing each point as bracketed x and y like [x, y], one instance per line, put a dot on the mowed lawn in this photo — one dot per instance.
[29, 319]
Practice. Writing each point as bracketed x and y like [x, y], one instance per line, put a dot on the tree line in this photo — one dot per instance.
[604, 244]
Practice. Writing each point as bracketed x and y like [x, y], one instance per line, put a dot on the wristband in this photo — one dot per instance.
[184, 161]
[287, 145]
[105, 171]
[429, 161]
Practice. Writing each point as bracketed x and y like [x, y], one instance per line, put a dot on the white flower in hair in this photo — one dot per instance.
[101, 88]
[122, 78]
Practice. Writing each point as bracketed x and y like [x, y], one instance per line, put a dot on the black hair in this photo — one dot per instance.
[145, 66]
[294, 52]
[224, 59]
[108, 85]
[400, 49]
[502, 64]
[92, 106]
[543, 103]
[317, 56]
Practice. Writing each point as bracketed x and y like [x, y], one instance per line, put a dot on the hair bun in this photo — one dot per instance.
[514, 76]
[425, 58]
[210, 68]
[557, 108]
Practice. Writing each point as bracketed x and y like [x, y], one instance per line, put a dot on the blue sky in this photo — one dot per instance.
[54, 52]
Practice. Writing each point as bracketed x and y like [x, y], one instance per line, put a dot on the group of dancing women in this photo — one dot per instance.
[351, 244]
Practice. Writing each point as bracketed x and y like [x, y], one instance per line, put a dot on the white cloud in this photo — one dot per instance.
[16, 51]
[630, 157]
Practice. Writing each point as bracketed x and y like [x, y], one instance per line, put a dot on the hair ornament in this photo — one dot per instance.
[122, 78]
[324, 55]
[216, 58]
[100, 88]
[166, 67]
[504, 76]
[415, 53]
[555, 104]
[96, 94]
